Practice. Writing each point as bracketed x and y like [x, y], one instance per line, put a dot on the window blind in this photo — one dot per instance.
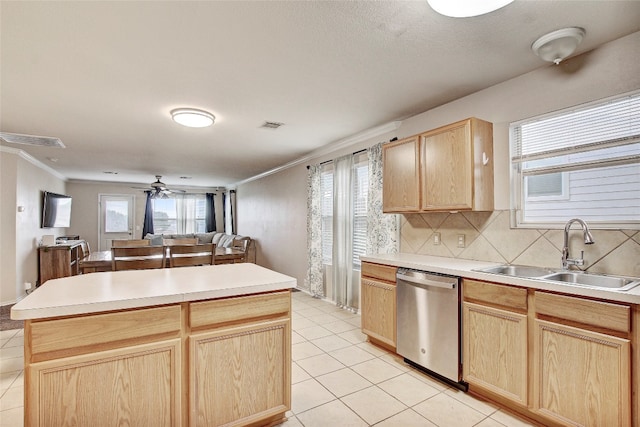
[360, 197]
[582, 162]
[326, 205]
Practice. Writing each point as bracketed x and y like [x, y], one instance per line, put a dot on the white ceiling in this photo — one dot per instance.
[103, 76]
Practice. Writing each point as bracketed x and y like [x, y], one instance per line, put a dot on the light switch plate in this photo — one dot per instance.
[436, 238]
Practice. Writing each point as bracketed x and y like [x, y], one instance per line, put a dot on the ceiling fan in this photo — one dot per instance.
[159, 189]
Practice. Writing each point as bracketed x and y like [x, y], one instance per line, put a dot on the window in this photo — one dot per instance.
[359, 195]
[179, 214]
[116, 216]
[326, 185]
[583, 162]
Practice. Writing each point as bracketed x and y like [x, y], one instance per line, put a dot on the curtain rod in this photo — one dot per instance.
[329, 161]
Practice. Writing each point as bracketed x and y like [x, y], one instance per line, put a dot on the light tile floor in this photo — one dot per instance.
[338, 379]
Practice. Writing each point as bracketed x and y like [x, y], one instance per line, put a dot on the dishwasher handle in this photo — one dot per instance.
[443, 282]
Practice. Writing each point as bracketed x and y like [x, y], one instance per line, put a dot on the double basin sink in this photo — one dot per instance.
[576, 278]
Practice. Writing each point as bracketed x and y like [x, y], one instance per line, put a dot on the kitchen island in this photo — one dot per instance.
[191, 346]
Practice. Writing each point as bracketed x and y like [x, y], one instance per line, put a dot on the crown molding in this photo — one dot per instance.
[29, 158]
[327, 149]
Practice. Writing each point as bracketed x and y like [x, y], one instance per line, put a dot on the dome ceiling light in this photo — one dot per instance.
[559, 44]
[466, 8]
[192, 117]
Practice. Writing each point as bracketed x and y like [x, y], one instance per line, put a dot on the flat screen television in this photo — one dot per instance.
[56, 210]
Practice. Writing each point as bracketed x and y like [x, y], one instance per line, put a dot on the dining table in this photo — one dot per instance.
[101, 260]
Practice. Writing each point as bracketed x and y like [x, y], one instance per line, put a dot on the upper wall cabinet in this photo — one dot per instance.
[455, 169]
[400, 175]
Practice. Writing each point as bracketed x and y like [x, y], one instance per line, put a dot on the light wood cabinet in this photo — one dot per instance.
[445, 169]
[135, 385]
[457, 167]
[240, 374]
[378, 299]
[240, 360]
[494, 339]
[581, 377]
[401, 175]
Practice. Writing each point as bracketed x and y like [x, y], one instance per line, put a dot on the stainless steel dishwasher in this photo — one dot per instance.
[428, 323]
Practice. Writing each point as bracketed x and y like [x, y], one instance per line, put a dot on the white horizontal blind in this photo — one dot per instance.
[326, 206]
[583, 162]
[360, 196]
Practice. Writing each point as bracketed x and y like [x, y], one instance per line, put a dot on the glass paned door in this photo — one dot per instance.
[116, 219]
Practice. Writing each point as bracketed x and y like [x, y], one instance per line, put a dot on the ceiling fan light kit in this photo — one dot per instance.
[466, 8]
[192, 117]
[558, 45]
[159, 190]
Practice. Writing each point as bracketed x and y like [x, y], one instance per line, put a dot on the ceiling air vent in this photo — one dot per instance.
[42, 141]
[271, 125]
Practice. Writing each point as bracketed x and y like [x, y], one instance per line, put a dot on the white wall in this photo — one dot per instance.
[85, 210]
[268, 207]
[23, 181]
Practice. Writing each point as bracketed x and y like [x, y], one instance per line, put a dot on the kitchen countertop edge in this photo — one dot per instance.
[108, 291]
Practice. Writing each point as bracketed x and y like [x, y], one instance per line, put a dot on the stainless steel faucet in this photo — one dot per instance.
[588, 240]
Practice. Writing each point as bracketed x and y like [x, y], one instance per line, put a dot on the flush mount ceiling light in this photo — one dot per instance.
[192, 117]
[559, 44]
[466, 8]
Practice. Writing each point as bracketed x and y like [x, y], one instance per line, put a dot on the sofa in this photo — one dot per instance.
[221, 240]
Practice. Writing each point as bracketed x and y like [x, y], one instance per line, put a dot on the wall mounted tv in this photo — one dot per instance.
[56, 210]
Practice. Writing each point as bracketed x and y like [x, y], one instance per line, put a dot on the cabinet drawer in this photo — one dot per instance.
[86, 332]
[615, 317]
[379, 271]
[240, 308]
[493, 293]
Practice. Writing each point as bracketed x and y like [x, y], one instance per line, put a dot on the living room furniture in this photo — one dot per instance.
[138, 257]
[177, 347]
[61, 260]
[119, 243]
[181, 241]
[221, 240]
[188, 255]
[101, 260]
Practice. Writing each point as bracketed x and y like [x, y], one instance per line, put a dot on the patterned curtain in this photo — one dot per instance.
[382, 229]
[314, 280]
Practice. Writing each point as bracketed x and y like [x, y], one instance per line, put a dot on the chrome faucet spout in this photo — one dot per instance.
[588, 240]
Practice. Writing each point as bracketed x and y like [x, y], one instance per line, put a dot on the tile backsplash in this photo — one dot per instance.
[489, 237]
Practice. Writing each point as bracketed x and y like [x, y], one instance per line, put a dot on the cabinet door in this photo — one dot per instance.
[581, 377]
[379, 310]
[495, 350]
[400, 176]
[447, 168]
[133, 386]
[240, 375]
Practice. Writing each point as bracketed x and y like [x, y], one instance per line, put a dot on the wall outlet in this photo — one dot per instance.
[436, 238]
[461, 240]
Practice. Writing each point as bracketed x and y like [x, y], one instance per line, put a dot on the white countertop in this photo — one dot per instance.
[465, 268]
[117, 290]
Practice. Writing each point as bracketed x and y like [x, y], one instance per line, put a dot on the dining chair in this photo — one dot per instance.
[241, 245]
[180, 241]
[137, 257]
[119, 243]
[85, 249]
[188, 255]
